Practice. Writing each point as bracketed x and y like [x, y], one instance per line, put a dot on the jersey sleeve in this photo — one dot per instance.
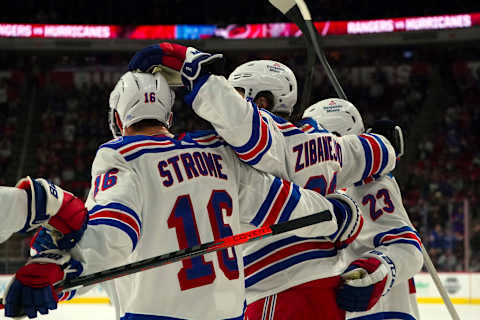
[364, 158]
[389, 231]
[254, 135]
[14, 211]
[266, 200]
[114, 206]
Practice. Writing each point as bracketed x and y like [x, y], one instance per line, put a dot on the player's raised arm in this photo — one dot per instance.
[256, 136]
[267, 200]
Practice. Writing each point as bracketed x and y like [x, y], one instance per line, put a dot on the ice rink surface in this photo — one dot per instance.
[106, 312]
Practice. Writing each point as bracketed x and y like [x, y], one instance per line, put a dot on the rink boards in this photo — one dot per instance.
[463, 288]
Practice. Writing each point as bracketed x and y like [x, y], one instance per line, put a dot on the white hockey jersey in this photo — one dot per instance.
[392, 239]
[154, 195]
[307, 155]
[14, 212]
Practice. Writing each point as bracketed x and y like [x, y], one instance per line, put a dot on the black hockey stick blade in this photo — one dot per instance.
[198, 250]
[297, 11]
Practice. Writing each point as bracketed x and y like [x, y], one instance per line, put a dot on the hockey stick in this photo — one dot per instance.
[307, 85]
[198, 250]
[297, 11]
[438, 283]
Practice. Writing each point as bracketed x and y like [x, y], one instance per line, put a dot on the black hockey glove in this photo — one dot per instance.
[392, 132]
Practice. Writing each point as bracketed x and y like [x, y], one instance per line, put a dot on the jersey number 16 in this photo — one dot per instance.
[197, 272]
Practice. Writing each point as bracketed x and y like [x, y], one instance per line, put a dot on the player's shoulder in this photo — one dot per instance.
[386, 181]
[287, 128]
[128, 141]
[309, 125]
[133, 147]
[201, 136]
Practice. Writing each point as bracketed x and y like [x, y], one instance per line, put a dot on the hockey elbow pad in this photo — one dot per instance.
[57, 210]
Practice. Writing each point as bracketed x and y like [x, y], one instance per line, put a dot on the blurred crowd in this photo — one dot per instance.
[70, 122]
[217, 12]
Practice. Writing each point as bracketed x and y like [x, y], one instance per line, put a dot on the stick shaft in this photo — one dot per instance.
[194, 251]
[438, 283]
[323, 60]
[297, 11]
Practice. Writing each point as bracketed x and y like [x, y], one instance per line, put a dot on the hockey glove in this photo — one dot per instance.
[364, 283]
[392, 132]
[191, 63]
[31, 289]
[42, 241]
[164, 57]
[349, 220]
[59, 211]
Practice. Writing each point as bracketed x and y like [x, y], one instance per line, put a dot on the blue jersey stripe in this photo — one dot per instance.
[292, 132]
[340, 213]
[259, 156]
[378, 237]
[118, 206]
[406, 241]
[120, 225]
[124, 141]
[393, 315]
[264, 209]
[255, 135]
[291, 204]
[252, 257]
[276, 118]
[368, 157]
[313, 123]
[141, 152]
[384, 153]
[277, 267]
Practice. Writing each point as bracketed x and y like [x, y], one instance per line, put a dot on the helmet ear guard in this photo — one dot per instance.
[113, 125]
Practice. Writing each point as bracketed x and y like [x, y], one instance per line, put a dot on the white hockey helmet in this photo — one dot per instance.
[139, 96]
[267, 75]
[337, 116]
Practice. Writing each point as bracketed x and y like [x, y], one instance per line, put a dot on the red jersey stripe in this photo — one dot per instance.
[145, 144]
[261, 144]
[119, 216]
[287, 252]
[408, 235]
[377, 154]
[277, 206]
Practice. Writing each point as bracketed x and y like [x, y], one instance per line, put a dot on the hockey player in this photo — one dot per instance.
[25, 208]
[289, 271]
[153, 193]
[390, 234]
